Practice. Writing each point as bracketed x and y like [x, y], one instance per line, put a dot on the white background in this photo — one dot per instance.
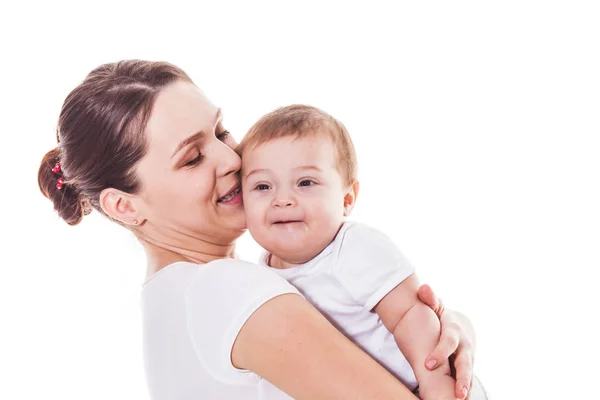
[476, 125]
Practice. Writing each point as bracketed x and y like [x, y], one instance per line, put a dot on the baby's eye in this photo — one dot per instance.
[261, 187]
[307, 182]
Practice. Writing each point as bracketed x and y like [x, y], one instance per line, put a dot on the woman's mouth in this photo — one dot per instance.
[231, 198]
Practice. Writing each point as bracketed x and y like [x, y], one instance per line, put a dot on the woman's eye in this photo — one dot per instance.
[194, 161]
[223, 135]
[261, 187]
[307, 182]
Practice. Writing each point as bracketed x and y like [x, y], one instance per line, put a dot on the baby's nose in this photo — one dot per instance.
[284, 201]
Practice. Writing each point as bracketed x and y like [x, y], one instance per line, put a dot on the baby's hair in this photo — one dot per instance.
[299, 120]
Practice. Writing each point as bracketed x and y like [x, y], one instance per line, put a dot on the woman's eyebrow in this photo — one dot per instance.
[196, 136]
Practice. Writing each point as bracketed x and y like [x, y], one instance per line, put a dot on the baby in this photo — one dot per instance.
[299, 185]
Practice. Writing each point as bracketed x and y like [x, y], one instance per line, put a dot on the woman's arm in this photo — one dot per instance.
[289, 343]
[457, 341]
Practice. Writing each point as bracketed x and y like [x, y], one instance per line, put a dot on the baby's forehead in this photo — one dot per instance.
[289, 166]
[290, 147]
[291, 141]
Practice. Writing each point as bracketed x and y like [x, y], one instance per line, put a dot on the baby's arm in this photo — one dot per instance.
[416, 329]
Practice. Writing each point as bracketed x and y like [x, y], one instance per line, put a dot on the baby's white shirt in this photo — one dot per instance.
[347, 280]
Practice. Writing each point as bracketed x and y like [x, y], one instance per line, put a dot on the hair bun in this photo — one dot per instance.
[67, 201]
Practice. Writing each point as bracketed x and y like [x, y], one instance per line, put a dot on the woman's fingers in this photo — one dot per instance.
[449, 337]
[470, 391]
[427, 296]
[450, 344]
[463, 365]
[449, 341]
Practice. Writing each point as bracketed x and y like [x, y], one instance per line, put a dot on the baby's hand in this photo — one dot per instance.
[440, 387]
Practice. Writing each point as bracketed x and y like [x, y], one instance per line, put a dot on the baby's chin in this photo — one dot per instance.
[292, 242]
[295, 259]
[286, 236]
[298, 253]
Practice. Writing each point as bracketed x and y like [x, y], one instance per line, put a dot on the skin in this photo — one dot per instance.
[177, 216]
[178, 213]
[457, 341]
[416, 328]
[295, 199]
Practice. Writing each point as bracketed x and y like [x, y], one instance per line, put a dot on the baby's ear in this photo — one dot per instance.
[350, 198]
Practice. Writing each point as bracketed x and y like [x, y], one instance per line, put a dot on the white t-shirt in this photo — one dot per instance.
[192, 315]
[347, 280]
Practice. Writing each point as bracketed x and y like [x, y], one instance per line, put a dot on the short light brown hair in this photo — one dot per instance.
[301, 120]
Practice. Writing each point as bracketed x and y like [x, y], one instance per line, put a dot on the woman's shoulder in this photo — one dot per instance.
[230, 268]
[208, 304]
[229, 291]
[220, 280]
[235, 264]
[219, 300]
[233, 270]
[237, 278]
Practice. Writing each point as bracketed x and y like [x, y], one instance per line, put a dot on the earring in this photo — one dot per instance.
[135, 221]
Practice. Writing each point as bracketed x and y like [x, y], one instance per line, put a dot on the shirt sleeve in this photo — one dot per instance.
[369, 265]
[219, 301]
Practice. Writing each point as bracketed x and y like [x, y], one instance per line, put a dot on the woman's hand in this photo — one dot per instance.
[457, 342]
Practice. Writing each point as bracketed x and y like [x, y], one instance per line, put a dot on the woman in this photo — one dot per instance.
[140, 143]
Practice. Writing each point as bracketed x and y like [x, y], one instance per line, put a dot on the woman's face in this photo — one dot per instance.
[190, 184]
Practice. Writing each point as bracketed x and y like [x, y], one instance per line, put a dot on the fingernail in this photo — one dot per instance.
[430, 364]
[464, 391]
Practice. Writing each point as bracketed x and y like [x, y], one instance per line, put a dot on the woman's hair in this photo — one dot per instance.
[100, 135]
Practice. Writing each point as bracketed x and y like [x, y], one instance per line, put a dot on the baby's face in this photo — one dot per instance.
[293, 196]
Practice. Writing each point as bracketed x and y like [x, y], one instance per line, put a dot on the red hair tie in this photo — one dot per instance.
[61, 180]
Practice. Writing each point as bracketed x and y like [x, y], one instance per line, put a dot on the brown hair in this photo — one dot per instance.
[298, 120]
[100, 134]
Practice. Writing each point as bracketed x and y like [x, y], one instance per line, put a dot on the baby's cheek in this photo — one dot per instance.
[249, 204]
[251, 216]
[255, 215]
[330, 207]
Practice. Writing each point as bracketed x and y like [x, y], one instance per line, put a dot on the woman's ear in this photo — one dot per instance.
[350, 198]
[120, 206]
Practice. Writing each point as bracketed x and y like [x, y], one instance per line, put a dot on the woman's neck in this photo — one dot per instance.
[164, 251]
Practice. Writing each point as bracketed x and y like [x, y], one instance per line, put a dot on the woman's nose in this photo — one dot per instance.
[228, 161]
